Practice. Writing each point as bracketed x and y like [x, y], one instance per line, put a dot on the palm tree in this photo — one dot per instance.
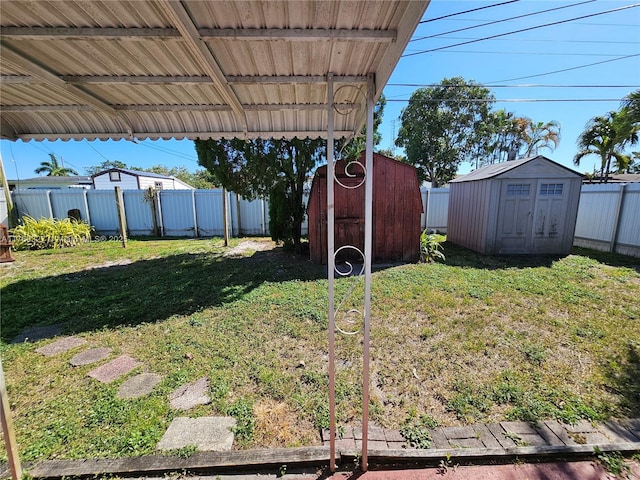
[542, 135]
[631, 105]
[607, 136]
[53, 169]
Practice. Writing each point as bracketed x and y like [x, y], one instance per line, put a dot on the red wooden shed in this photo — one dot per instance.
[397, 206]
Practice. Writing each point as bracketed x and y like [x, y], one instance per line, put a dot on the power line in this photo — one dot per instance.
[546, 54]
[467, 11]
[511, 100]
[565, 69]
[529, 85]
[522, 30]
[503, 20]
[511, 40]
[95, 150]
[167, 151]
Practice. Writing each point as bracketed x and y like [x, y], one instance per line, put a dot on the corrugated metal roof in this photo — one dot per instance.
[187, 69]
[490, 171]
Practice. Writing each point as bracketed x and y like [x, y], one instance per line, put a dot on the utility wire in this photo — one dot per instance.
[500, 21]
[529, 85]
[467, 11]
[546, 54]
[564, 69]
[522, 30]
[95, 150]
[511, 100]
[542, 40]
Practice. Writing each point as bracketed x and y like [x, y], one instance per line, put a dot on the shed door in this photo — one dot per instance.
[515, 216]
[549, 216]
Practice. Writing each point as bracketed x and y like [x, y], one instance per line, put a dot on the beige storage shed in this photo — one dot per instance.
[526, 206]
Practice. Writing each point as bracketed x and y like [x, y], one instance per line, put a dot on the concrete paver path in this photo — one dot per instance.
[115, 369]
[61, 346]
[90, 356]
[206, 433]
[189, 395]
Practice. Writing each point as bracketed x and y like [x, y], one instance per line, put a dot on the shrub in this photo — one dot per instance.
[430, 247]
[47, 233]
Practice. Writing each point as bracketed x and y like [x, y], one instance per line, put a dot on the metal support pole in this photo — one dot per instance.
[7, 430]
[7, 195]
[368, 236]
[330, 275]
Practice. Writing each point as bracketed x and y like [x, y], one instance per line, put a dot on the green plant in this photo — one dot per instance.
[184, 452]
[416, 430]
[242, 411]
[430, 247]
[614, 463]
[48, 233]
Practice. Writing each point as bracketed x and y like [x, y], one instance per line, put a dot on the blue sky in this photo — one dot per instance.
[589, 50]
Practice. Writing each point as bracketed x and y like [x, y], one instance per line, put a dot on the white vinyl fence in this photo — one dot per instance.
[608, 215]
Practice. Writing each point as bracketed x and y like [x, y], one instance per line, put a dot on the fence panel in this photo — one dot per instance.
[103, 211]
[628, 235]
[62, 201]
[178, 213]
[209, 212]
[596, 212]
[254, 217]
[435, 205]
[138, 210]
[34, 203]
[4, 214]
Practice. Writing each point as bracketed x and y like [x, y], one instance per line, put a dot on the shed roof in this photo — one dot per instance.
[135, 173]
[491, 171]
[188, 68]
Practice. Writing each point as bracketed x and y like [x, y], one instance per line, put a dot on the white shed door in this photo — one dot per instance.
[549, 216]
[515, 216]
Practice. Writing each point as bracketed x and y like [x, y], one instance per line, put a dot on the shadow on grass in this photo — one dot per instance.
[145, 291]
[623, 378]
[463, 257]
[611, 259]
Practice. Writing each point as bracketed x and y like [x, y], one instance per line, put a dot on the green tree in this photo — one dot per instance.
[607, 137]
[631, 106]
[540, 135]
[106, 165]
[502, 136]
[442, 127]
[273, 168]
[352, 149]
[54, 169]
[201, 178]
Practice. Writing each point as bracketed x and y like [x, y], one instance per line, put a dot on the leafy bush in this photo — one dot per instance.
[47, 233]
[430, 247]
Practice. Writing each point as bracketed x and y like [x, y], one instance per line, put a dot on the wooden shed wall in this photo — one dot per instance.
[397, 206]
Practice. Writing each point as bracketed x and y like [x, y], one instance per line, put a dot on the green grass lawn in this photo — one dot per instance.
[470, 339]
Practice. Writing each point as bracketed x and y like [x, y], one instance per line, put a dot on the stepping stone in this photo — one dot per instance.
[207, 433]
[37, 333]
[139, 386]
[189, 395]
[90, 356]
[115, 369]
[60, 346]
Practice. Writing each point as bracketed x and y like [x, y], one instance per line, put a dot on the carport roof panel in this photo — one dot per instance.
[188, 69]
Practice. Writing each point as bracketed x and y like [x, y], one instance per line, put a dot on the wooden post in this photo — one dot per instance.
[238, 213]
[7, 430]
[154, 218]
[122, 219]
[225, 220]
[7, 194]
